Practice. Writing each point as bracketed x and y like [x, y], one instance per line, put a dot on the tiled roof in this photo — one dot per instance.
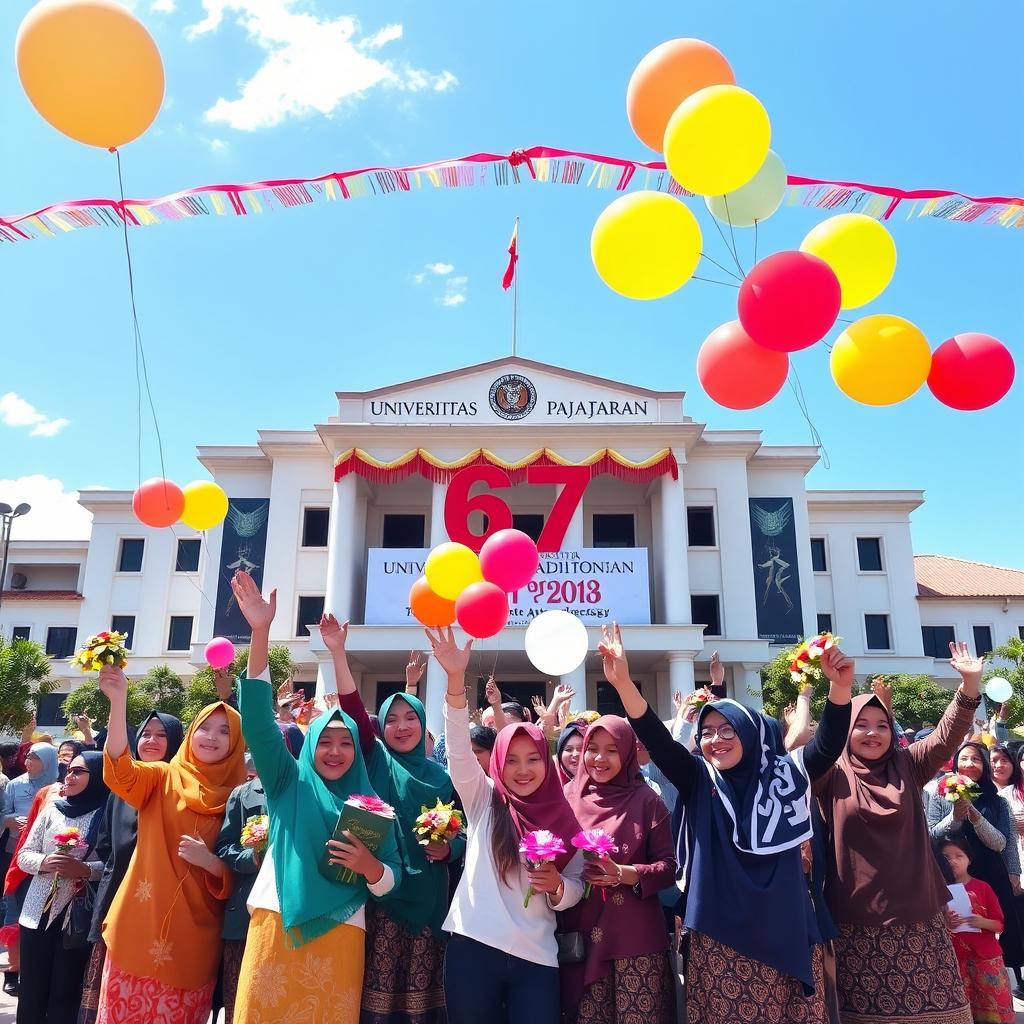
[42, 595]
[942, 576]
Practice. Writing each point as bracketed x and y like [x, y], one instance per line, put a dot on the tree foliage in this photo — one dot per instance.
[202, 690]
[1013, 653]
[24, 677]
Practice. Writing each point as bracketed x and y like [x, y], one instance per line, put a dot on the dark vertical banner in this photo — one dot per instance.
[243, 546]
[776, 570]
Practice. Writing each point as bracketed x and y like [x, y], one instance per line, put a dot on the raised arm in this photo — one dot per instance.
[493, 695]
[830, 739]
[335, 636]
[414, 672]
[133, 781]
[798, 720]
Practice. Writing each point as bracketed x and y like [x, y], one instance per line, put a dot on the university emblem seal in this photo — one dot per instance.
[513, 396]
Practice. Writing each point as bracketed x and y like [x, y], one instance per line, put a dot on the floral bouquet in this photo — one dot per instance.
[438, 824]
[538, 848]
[700, 697]
[67, 842]
[105, 648]
[596, 844]
[954, 787]
[256, 833]
[805, 667]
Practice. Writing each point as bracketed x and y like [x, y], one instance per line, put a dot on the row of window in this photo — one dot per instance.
[936, 640]
[869, 554]
[61, 640]
[129, 557]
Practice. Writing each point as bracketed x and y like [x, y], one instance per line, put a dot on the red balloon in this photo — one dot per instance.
[971, 371]
[509, 559]
[737, 372]
[789, 301]
[482, 609]
[158, 502]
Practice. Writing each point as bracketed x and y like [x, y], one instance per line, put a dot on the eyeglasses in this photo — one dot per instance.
[726, 732]
[76, 771]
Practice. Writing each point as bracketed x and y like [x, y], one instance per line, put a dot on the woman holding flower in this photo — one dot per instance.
[755, 948]
[503, 949]
[304, 951]
[60, 853]
[626, 972]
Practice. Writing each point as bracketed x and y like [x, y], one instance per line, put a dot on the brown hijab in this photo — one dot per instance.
[882, 870]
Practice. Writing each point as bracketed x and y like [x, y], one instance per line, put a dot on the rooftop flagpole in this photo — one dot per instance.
[511, 280]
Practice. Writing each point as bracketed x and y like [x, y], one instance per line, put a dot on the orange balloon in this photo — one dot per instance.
[669, 74]
[91, 69]
[428, 608]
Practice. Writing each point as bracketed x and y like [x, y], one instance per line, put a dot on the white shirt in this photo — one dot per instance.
[483, 908]
[263, 895]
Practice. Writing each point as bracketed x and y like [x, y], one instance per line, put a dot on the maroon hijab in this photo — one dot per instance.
[545, 808]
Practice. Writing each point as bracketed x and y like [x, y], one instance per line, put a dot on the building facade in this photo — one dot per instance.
[695, 539]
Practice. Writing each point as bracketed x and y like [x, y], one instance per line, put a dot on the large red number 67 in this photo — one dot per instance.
[458, 505]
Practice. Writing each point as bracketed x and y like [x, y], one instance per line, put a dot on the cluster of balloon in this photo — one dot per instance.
[458, 585]
[201, 504]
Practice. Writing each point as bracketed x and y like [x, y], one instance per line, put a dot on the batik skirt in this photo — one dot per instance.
[128, 999]
[638, 990]
[899, 972]
[988, 990]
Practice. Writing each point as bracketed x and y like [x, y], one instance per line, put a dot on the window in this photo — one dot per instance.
[187, 558]
[387, 688]
[876, 628]
[1020, 632]
[824, 622]
[130, 557]
[704, 608]
[869, 554]
[49, 712]
[608, 700]
[614, 530]
[819, 558]
[310, 610]
[179, 636]
[60, 641]
[401, 531]
[530, 523]
[21, 633]
[124, 624]
[936, 640]
[700, 526]
[315, 522]
[982, 641]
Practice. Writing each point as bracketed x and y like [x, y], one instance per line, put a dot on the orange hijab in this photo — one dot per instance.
[205, 788]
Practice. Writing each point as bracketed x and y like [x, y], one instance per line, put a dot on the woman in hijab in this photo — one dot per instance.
[404, 981]
[163, 928]
[754, 943]
[66, 753]
[987, 826]
[50, 984]
[626, 972]
[157, 739]
[884, 888]
[567, 751]
[502, 948]
[303, 955]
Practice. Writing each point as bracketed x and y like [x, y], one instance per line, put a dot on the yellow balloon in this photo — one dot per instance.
[91, 69]
[717, 140]
[645, 245]
[451, 568]
[206, 505]
[861, 252]
[880, 359]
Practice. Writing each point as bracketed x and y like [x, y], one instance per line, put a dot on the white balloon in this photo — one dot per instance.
[757, 200]
[556, 643]
[998, 689]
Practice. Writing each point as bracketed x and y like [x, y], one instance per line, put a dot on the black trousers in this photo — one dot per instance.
[50, 983]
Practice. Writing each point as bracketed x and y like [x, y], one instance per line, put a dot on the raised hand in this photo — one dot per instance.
[968, 666]
[415, 669]
[492, 693]
[838, 668]
[717, 670]
[563, 694]
[613, 656]
[113, 683]
[883, 692]
[259, 612]
[787, 714]
[450, 656]
[540, 709]
[333, 633]
[677, 701]
[224, 681]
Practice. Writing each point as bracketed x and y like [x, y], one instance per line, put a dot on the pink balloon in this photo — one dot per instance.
[482, 609]
[219, 652]
[971, 371]
[789, 301]
[509, 559]
[738, 373]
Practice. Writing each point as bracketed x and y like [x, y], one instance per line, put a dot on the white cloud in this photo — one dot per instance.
[312, 64]
[55, 515]
[163, 6]
[217, 145]
[440, 268]
[418, 278]
[15, 411]
[454, 291]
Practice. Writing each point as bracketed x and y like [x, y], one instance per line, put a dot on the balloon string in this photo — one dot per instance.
[725, 270]
[755, 242]
[140, 351]
[801, 401]
[725, 199]
[725, 242]
[711, 280]
[204, 548]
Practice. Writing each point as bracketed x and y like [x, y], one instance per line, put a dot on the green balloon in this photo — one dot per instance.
[757, 200]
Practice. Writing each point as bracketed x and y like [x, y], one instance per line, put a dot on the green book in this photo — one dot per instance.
[371, 827]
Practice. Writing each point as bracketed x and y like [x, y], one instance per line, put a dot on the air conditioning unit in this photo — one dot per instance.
[19, 581]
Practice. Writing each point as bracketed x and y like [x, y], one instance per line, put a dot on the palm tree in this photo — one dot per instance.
[24, 677]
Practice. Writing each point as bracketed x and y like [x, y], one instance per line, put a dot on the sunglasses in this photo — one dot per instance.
[76, 771]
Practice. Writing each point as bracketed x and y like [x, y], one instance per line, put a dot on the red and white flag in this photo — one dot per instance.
[513, 258]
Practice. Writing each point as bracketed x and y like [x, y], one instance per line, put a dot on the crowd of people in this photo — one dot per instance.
[724, 866]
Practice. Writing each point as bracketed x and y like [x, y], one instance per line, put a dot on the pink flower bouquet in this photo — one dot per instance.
[538, 848]
[596, 844]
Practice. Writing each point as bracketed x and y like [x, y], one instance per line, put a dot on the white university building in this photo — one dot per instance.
[695, 539]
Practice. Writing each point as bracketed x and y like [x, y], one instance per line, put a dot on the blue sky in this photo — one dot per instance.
[255, 323]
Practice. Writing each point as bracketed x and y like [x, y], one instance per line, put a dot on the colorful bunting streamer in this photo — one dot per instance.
[539, 163]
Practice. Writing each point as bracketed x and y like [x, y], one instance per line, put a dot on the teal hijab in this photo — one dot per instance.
[410, 782]
[302, 818]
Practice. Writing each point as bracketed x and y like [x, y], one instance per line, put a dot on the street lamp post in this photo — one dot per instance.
[7, 516]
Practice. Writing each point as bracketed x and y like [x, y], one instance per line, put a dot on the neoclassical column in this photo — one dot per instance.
[680, 677]
[675, 596]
